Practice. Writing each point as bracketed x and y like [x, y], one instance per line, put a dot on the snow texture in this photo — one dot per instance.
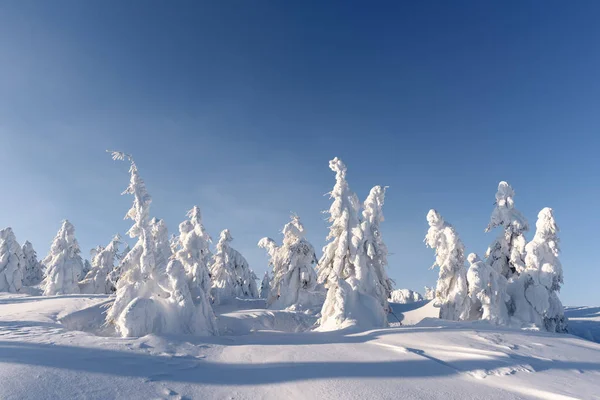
[64, 266]
[506, 254]
[451, 293]
[12, 262]
[294, 282]
[34, 271]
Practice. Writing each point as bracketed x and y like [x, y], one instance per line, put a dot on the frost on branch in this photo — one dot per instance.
[12, 262]
[534, 295]
[294, 282]
[64, 266]
[34, 271]
[487, 291]
[345, 267]
[231, 274]
[103, 263]
[451, 290]
[153, 295]
[506, 254]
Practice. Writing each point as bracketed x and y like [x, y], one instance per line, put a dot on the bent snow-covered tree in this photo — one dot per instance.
[64, 266]
[349, 301]
[231, 274]
[193, 253]
[451, 291]
[294, 281]
[506, 254]
[152, 293]
[487, 291]
[12, 262]
[535, 294]
[34, 271]
[103, 263]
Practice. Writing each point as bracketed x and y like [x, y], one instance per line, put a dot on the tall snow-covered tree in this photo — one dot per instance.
[487, 290]
[534, 295]
[344, 260]
[265, 286]
[151, 297]
[34, 271]
[294, 281]
[230, 272]
[451, 291]
[374, 279]
[193, 253]
[12, 262]
[103, 263]
[64, 266]
[506, 254]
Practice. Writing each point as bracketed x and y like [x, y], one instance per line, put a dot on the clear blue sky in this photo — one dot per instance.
[237, 106]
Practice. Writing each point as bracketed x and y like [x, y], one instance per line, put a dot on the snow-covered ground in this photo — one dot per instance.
[55, 347]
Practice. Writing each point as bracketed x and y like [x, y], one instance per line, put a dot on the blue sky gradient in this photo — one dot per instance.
[237, 106]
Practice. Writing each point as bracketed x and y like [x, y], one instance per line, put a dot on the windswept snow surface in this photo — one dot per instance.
[42, 357]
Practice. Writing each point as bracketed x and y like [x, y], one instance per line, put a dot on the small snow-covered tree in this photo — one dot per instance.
[152, 293]
[12, 262]
[294, 281]
[487, 291]
[103, 263]
[451, 291]
[231, 274]
[405, 296]
[374, 279]
[429, 293]
[344, 263]
[506, 254]
[64, 266]
[265, 286]
[193, 253]
[87, 265]
[34, 271]
[534, 296]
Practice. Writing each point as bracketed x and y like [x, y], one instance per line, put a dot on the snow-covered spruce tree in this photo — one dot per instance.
[151, 297]
[115, 274]
[34, 271]
[231, 274]
[343, 261]
[506, 254]
[451, 291]
[193, 253]
[103, 263]
[294, 281]
[534, 296]
[265, 286]
[12, 262]
[64, 266]
[374, 279]
[487, 291]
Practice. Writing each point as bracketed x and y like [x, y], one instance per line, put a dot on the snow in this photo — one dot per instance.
[405, 296]
[266, 354]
